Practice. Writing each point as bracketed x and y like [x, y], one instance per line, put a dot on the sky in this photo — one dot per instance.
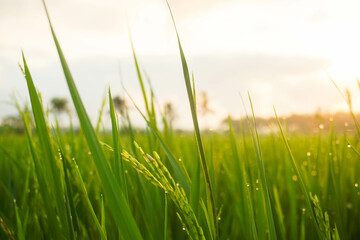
[281, 52]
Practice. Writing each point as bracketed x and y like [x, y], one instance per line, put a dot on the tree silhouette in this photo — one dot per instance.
[120, 105]
[59, 105]
[13, 123]
[203, 104]
[169, 113]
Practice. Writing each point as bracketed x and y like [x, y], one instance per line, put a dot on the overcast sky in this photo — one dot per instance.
[280, 51]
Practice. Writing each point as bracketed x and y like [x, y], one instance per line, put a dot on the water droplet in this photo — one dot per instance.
[179, 159]
[321, 126]
[303, 210]
[248, 184]
[183, 228]
[330, 153]
[257, 189]
[348, 145]
[356, 185]
[89, 153]
[308, 154]
[177, 184]
[219, 218]
[257, 181]
[166, 191]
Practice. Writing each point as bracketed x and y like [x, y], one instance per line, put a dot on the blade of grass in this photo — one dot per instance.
[279, 213]
[98, 124]
[303, 186]
[195, 185]
[86, 196]
[138, 72]
[243, 180]
[335, 183]
[152, 101]
[118, 166]
[103, 216]
[72, 216]
[269, 214]
[196, 125]
[177, 170]
[54, 179]
[41, 177]
[19, 226]
[348, 102]
[165, 217]
[117, 202]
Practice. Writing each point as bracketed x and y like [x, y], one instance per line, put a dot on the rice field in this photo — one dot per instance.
[159, 183]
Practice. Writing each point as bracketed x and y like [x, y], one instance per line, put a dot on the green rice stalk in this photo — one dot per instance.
[269, 214]
[323, 221]
[54, 176]
[20, 232]
[158, 175]
[196, 126]
[246, 195]
[115, 196]
[87, 199]
[181, 177]
[41, 177]
[118, 166]
[348, 102]
[101, 111]
[298, 174]
[70, 205]
[103, 215]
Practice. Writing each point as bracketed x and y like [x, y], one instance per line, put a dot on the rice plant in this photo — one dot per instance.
[159, 183]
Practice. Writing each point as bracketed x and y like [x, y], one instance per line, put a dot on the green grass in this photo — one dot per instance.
[159, 183]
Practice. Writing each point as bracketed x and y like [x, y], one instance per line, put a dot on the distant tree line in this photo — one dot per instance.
[300, 123]
[295, 123]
